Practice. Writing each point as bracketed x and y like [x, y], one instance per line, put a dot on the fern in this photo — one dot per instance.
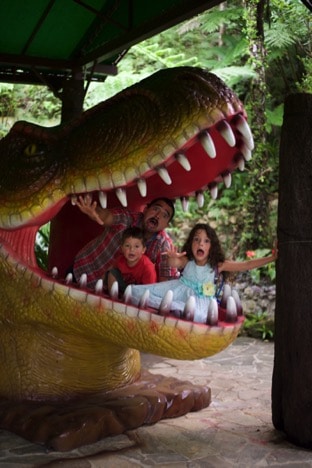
[233, 75]
[230, 17]
[279, 38]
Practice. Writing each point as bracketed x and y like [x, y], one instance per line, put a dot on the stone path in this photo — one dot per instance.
[234, 431]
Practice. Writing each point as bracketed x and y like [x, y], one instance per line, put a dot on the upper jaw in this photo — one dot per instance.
[199, 163]
[206, 159]
[203, 163]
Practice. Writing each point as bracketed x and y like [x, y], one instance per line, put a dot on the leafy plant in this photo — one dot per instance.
[267, 271]
[259, 325]
[42, 246]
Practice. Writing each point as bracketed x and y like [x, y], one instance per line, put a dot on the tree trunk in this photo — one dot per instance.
[292, 374]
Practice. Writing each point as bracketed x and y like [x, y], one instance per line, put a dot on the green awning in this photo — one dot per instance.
[45, 41]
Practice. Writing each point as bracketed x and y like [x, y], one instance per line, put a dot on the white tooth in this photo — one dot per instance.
[144, 298]
[200, 199]
[122, 196]
[54, 272]
[103, 199]
[164, 175]
[243, 127]
[246, 152]
[141, 183]
[165, 304]
[99, 286]
[241, 163]
[227, 180]
[249, 143]
[73, 199]
[208, 144]
[225, 130]
[212, 316]
[189, 309]
[238, 302]
[127, 294]
[213, 191]
[69, 278]
[114, 290]
[83, 280]
[231, 310]
[185, 204]
[227, 291]
[182, 159]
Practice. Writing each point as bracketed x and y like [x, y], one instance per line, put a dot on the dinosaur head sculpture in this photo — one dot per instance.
[176, 134]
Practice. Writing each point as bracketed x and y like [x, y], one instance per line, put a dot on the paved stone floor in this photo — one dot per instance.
[235, 430]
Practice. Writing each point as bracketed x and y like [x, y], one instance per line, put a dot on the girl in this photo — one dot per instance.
[201, 261]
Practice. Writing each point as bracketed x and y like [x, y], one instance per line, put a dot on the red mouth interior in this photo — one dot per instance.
[71, 230]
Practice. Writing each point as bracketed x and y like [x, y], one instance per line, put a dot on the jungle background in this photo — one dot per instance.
[263, 50]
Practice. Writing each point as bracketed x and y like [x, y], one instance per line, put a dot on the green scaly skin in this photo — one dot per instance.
[58, 341]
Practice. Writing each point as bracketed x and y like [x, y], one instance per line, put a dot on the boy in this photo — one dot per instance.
[132, 266]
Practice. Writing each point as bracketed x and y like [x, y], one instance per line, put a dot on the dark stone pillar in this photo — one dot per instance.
[292, 374]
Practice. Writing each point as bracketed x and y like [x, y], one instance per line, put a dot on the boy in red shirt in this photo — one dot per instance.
[132, 265]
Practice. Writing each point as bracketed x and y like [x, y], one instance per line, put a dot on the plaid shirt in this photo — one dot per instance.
[100, 253]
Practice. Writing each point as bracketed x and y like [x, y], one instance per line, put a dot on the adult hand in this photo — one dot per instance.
[90, 208]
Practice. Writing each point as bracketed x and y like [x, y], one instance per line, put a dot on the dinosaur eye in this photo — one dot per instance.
[30, 150]
[35, 154]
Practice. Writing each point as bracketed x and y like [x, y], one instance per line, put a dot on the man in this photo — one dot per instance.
[99, 254]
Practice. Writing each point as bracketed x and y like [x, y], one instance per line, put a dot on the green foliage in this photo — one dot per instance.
[42, 246]
[274, 118]
[102, 91]
[7, 107]
[235, 77]
[267, 271]
[305, 86]
[215, 18]
[25, 102]
[279, 38]
[36, 103]
[7, 101]
[259, 325]
[288, 44]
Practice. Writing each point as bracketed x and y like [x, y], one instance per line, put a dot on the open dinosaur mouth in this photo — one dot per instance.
[191, 170]
[199, 165]
[169, 149]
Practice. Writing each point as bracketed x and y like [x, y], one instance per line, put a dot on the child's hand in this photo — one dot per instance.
[275, 251]
[89, 208]
[172, 252]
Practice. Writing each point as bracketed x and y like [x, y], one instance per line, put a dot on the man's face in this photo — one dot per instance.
[157, 217]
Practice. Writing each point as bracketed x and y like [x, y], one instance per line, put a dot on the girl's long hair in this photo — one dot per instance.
[216, 254]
